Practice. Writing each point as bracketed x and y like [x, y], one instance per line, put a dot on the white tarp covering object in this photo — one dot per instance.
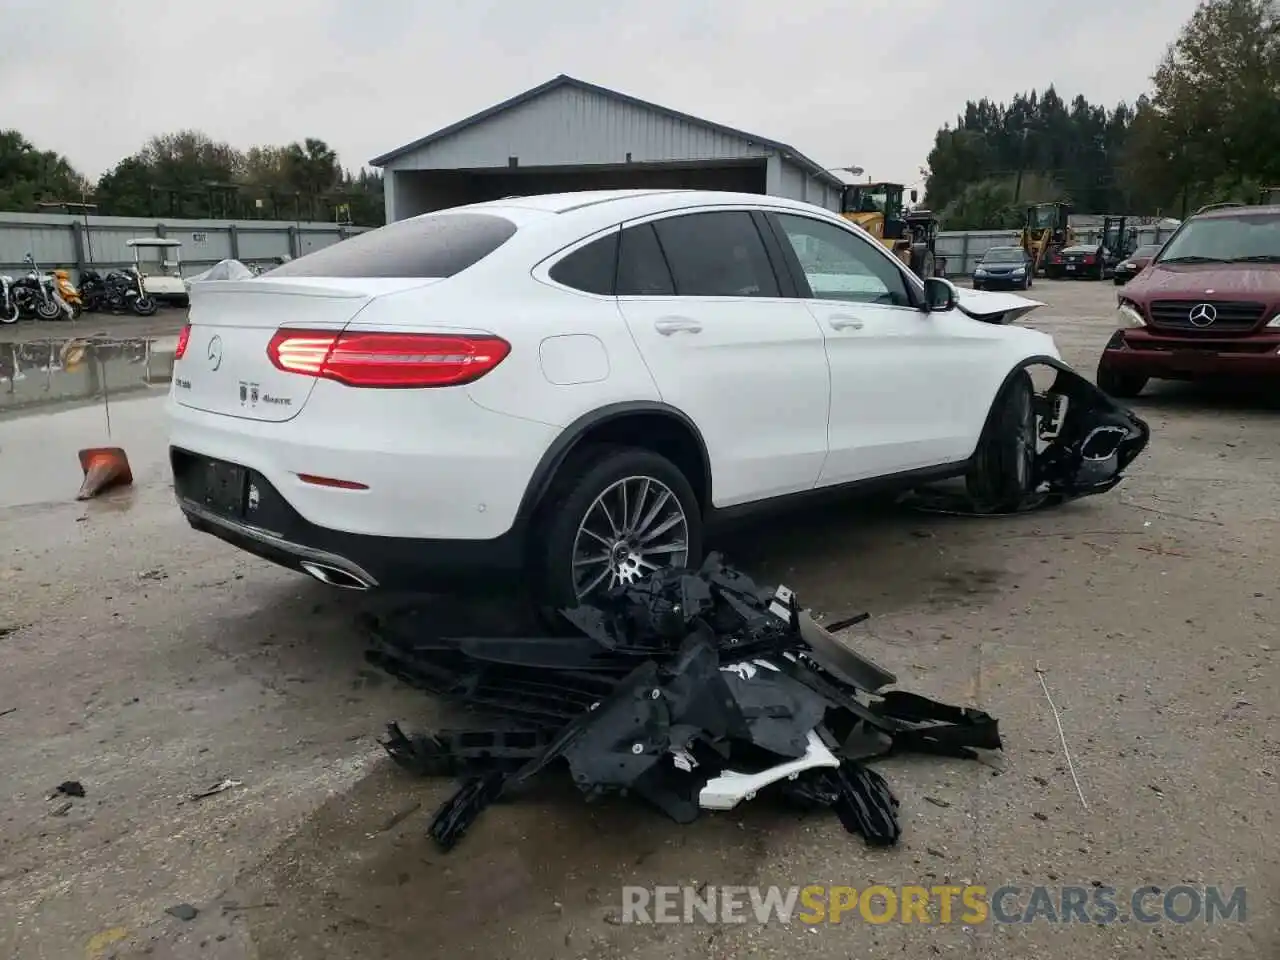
[224, 270]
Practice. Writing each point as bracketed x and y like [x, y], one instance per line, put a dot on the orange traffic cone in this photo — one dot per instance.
[104, 468]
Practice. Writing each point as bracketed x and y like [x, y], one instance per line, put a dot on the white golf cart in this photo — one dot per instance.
[159, 260]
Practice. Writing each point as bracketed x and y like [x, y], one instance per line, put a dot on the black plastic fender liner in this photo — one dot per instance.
[686, 676]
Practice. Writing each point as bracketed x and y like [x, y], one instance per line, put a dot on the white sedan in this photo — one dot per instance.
[569, 389]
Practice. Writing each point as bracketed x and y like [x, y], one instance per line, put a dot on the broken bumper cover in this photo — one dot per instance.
[693, 690]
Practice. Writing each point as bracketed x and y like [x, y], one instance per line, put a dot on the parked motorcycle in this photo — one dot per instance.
[9, 309]
[37, 295]
[68, 292]
[118, 291]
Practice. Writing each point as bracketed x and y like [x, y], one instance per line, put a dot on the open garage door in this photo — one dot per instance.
[422, 191]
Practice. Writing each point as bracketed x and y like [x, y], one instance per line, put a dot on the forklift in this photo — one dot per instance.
[912, 236]
[1045, 233]
[1117, 243]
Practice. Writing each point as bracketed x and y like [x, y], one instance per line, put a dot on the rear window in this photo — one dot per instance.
[430, 246]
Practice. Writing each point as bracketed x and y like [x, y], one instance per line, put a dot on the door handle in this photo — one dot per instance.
[846, 323]
[669, 325]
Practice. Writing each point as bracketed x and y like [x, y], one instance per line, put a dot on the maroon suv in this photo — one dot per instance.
[1207, 306]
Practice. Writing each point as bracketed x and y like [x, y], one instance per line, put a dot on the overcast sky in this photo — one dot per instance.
[864, 82]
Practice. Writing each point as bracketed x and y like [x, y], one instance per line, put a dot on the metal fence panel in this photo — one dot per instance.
[962, 249]
[75, 243]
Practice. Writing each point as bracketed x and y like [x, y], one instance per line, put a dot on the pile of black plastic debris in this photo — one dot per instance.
[692, 690]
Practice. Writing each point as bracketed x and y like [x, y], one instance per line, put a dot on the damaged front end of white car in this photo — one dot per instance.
[1040, 446]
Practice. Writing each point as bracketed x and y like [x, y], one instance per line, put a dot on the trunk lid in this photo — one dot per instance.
[225, 368]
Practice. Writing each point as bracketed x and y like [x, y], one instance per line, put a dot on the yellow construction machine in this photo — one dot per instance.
[1046, 231]
[912, 235]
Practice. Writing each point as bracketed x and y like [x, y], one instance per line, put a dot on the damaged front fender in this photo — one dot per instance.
[1090, 439]
[1083, 442]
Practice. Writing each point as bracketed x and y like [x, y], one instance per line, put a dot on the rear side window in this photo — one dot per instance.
[590, 268]
[435, 245]
[717, 255]
[642, 269]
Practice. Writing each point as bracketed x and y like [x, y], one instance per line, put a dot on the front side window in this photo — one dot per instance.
[840, 265]
[717, 254]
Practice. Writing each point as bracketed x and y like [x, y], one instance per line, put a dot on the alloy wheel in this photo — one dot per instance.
[1025, 448]
[634, 527]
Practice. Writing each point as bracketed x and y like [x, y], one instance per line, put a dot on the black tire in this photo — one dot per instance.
[145, 306]
[48, 310]
[1118, 384]
[1003, 472]
[977, 285]
[582, 479]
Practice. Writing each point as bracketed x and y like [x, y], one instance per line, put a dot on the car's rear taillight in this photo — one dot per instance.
[1088, 258]
[183, 338]
[380, 359]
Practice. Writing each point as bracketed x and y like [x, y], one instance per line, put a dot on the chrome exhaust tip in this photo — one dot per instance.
[334, 576]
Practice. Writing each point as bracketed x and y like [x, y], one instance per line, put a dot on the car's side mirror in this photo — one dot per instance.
[939, 295]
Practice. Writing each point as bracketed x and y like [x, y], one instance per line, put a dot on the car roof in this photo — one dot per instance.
[1223, 213]
[549, 222]
[565, 202]
[614, 201]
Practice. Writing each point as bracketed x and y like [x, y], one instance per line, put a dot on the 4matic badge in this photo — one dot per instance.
[248, 393]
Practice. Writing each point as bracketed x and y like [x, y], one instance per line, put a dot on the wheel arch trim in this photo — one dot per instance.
[993, 411]
[572, 435]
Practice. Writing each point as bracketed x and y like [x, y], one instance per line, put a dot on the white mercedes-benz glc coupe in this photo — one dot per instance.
[569, 389]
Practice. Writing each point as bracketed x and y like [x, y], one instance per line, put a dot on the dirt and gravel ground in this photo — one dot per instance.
[150, 663]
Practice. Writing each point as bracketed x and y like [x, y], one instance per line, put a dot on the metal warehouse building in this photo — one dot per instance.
[570, 135]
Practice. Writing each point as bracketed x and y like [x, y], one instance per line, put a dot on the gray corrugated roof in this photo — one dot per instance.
[566, 81]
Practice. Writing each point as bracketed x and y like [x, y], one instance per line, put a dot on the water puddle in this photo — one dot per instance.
[62, 369]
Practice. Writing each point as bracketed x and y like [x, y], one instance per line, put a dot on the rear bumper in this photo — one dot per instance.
[356, 561]
[435, 467]
[1180, 358]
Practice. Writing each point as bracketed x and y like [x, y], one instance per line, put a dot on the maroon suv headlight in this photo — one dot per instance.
[1128, 316]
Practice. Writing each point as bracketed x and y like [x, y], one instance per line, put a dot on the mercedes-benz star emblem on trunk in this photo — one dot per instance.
[215, 352]
[1202, 314]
